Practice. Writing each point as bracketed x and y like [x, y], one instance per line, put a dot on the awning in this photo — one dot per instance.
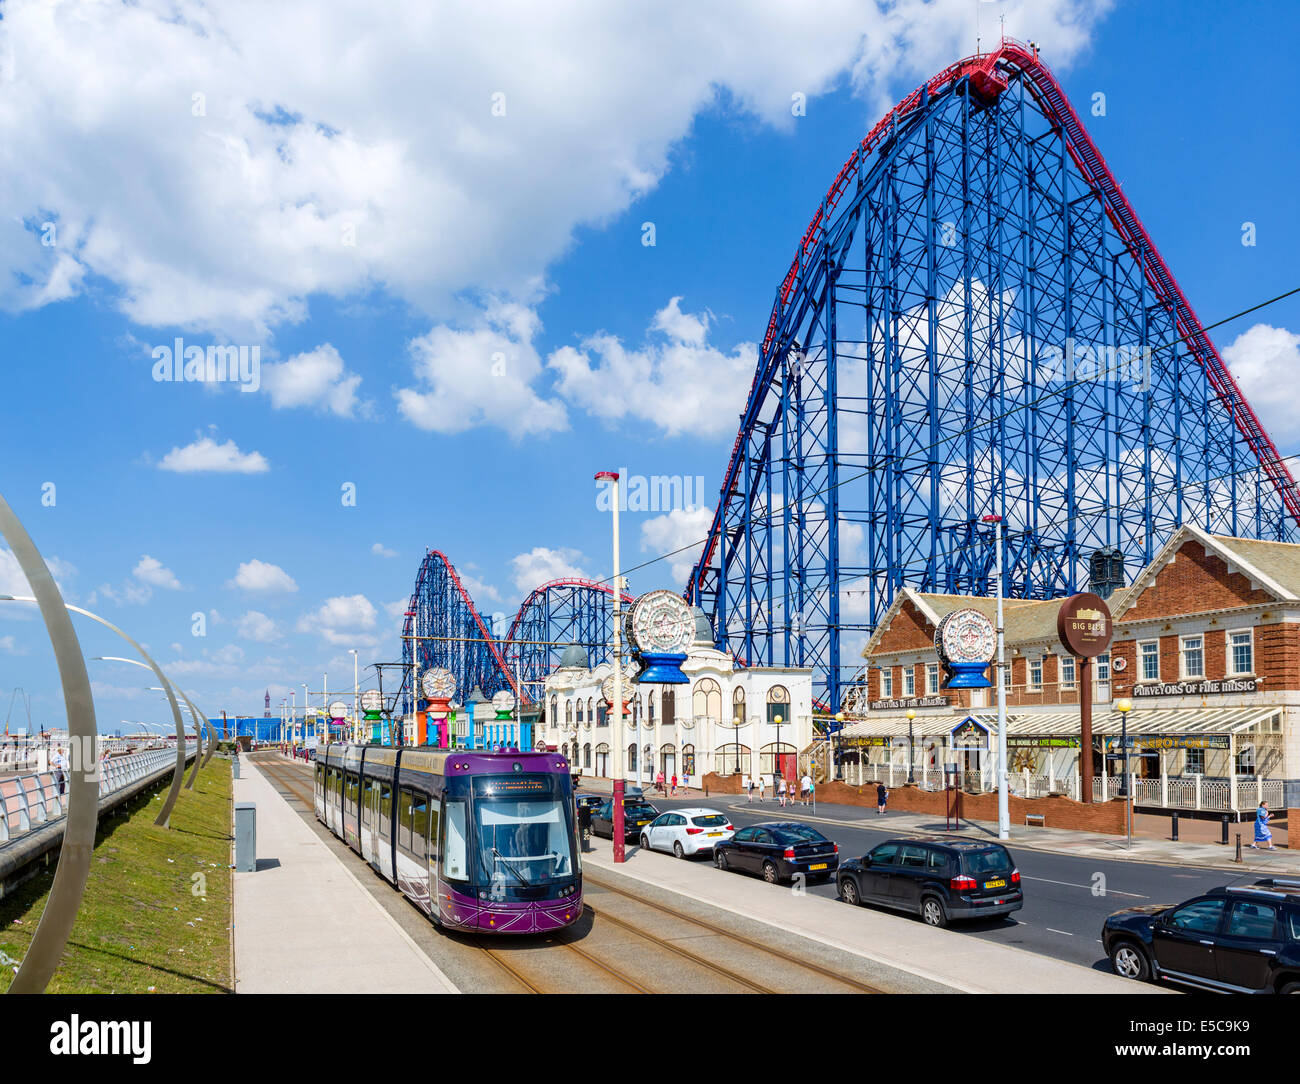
[1031, 724]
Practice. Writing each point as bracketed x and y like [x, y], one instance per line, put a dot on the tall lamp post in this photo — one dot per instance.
[839, 743]
[1004, 808]
[911, 744]
[1124, 706]
[620, 751]
[776, 757]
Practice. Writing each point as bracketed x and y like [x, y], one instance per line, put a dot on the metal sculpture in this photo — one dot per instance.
[975, 322]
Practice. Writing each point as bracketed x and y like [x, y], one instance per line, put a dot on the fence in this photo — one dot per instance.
[29, 801]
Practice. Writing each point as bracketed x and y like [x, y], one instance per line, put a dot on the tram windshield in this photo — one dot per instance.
[522, 839]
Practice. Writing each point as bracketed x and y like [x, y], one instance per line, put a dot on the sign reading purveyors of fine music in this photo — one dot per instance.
[1197, 688]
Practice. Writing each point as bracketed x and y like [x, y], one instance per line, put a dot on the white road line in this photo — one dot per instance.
[1071, 884]
[1066, 932]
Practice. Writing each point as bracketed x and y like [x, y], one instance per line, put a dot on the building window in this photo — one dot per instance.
[1006, 676]
[555, 712]
[909, 681]
[586, 755]
[1195, 762]
[1241, 652]
[707, 700]
[1036, 675]
[1149, 659]
[1193, 657]
[568, 712]
[1068, 680]
[1103, 669]
[778, 703]
[932, 679]
[887, 684]
[1246, 760]
[738, 706]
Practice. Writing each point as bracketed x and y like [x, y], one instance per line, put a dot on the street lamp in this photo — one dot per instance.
[1004, 812]
[776, 757]
[1124, 706]
[911, 714]
[839, 742]
[616, 622]
[356, 693]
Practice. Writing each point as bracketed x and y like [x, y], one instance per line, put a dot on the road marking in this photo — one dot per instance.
[1066, 932]
[1071, 884]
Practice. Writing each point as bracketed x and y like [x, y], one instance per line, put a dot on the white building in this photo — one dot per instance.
[687, 730]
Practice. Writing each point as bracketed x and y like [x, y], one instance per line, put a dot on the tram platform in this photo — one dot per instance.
[890, 942]
[304, 923]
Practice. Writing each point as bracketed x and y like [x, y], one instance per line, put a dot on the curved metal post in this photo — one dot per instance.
[51, 937]
[198, 730]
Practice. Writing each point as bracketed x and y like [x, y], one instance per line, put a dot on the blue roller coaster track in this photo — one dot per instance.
[975, 323]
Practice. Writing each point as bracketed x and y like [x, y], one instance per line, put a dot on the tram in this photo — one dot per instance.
[479, 841]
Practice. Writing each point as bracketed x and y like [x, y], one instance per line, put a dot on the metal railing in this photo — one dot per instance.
[29, 801]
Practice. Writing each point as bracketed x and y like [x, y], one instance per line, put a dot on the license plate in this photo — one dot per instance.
[995, 884]
[639, 824]
[712, 834]
[819, 865]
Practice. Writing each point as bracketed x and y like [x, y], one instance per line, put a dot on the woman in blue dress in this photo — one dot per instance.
[1262, 833]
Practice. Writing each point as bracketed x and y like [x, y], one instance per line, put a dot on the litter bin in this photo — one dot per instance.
[245, 836]
[234, 766]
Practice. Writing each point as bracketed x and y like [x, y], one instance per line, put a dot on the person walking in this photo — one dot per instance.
[674, 785]
[61, 770]
[1262, 832]
[805, 787]
[762, 790]
[882, 797]
[780, 791]
[659, 780]
[749, 788]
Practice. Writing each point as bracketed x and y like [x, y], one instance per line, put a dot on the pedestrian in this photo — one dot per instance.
[780, 791]
[61, 770]
[1262, 833]
[762, 789]
[805, 786]
[882, 797]
[659, 780]
[749, 788]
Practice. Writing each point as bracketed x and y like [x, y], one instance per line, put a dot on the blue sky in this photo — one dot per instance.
[341, 195]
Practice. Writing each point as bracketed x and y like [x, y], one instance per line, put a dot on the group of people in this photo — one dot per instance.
[785, 792]
[659, 783]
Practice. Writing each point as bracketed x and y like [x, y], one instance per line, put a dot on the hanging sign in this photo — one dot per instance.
[1084, 625]
[970, 733]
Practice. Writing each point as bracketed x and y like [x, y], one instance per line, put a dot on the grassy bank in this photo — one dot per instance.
[156, 913]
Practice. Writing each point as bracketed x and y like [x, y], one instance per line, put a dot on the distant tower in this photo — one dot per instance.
[267, 713]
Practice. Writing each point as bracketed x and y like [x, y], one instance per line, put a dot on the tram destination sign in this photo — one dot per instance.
[1197, 688]
[910, 702]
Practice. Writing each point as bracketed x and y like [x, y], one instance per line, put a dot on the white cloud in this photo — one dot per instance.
[262, 576]
[380, 550]
[340, 621]
[311, 150]
[540, 565]
[13, 582]
[9, 645]
[317, 379]
[670, 532]
[397, 610]
[650, 383]
[1264, 361]
[205, 454]
[481, 375]
[152, 571]
[256, 626]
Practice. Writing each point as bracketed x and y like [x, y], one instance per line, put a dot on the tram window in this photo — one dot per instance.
[367, 805]
[385, 811]
[419, 823]
[404, 819]
[455, 863]
[432, 838]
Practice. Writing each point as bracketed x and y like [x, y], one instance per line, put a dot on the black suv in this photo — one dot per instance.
[1244, 939]
[942, 880]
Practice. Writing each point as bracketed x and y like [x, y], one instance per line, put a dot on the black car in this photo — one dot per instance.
[942, 880]
[779, 850]
[1243, 939]
[637, 813]
[590, 801]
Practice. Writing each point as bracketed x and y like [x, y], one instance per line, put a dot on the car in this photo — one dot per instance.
[1236, 939]
[686, 832]
[942, 880]
[637, 813]
[590, 801]
[779, 850]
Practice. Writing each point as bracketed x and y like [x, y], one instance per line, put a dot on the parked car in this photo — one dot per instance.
[637, 813]
[942, 880]
[590, 801]
[779, 850]
[686, 832]
[1239, 939]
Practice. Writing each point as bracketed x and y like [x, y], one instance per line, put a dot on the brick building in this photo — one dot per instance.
[1206, 647]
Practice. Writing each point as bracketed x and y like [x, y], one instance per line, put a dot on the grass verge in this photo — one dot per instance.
[155, 916]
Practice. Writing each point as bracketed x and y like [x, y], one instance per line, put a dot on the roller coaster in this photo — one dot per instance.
[975, 323]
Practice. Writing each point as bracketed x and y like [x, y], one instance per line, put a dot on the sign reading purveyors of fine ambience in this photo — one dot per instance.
[910, 702]
[1196, 688]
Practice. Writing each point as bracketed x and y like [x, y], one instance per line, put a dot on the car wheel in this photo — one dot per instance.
[645, 842]
[770, 874]
[849, 890]
[720, 859]
[1129, 962]
[1290, 988]
[932, 912]
[677, 849]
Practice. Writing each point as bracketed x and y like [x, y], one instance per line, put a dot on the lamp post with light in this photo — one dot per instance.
[1124, 706]
[911, 714]
[776, 721]
[616, 623]
[839, 742]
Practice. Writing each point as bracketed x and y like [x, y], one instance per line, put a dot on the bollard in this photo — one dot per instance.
[1225, 830]
[1238, 847]
[1175, 820]
[234, 770]
[245, 837]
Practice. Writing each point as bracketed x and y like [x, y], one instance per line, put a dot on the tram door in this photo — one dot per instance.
[370, 824]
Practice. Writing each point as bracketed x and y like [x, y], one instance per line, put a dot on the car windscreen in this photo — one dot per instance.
[794, 834]
[709, 820]
[636, 809]
[992, 860]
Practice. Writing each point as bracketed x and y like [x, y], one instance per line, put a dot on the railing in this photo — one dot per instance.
[29, 801]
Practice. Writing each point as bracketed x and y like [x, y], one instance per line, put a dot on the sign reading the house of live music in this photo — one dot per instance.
[1084, 625]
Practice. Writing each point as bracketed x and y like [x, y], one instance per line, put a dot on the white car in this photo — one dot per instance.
[686, 832]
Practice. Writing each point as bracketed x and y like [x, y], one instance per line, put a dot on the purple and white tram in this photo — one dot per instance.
[482, 842]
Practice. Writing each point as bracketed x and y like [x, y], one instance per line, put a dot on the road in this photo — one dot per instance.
[1066, 898]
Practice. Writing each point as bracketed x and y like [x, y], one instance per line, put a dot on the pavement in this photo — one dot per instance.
[1195, 853]
[305, 924]
[883, 941]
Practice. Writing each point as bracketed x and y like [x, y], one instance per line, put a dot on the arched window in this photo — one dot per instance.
[668, 760]
[706, 700]
[778, 703]
[580, 713]
[738, 704]
[568, 712]
[650, 709]
[564, 750]
[767, 759]
[688, 760]
[631, 758]
[591, 710]
[734, 759]
[602, 759]
[555, 712]
[648, 760]
[586, 755]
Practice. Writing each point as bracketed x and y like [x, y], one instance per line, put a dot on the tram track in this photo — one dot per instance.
[288, 778]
